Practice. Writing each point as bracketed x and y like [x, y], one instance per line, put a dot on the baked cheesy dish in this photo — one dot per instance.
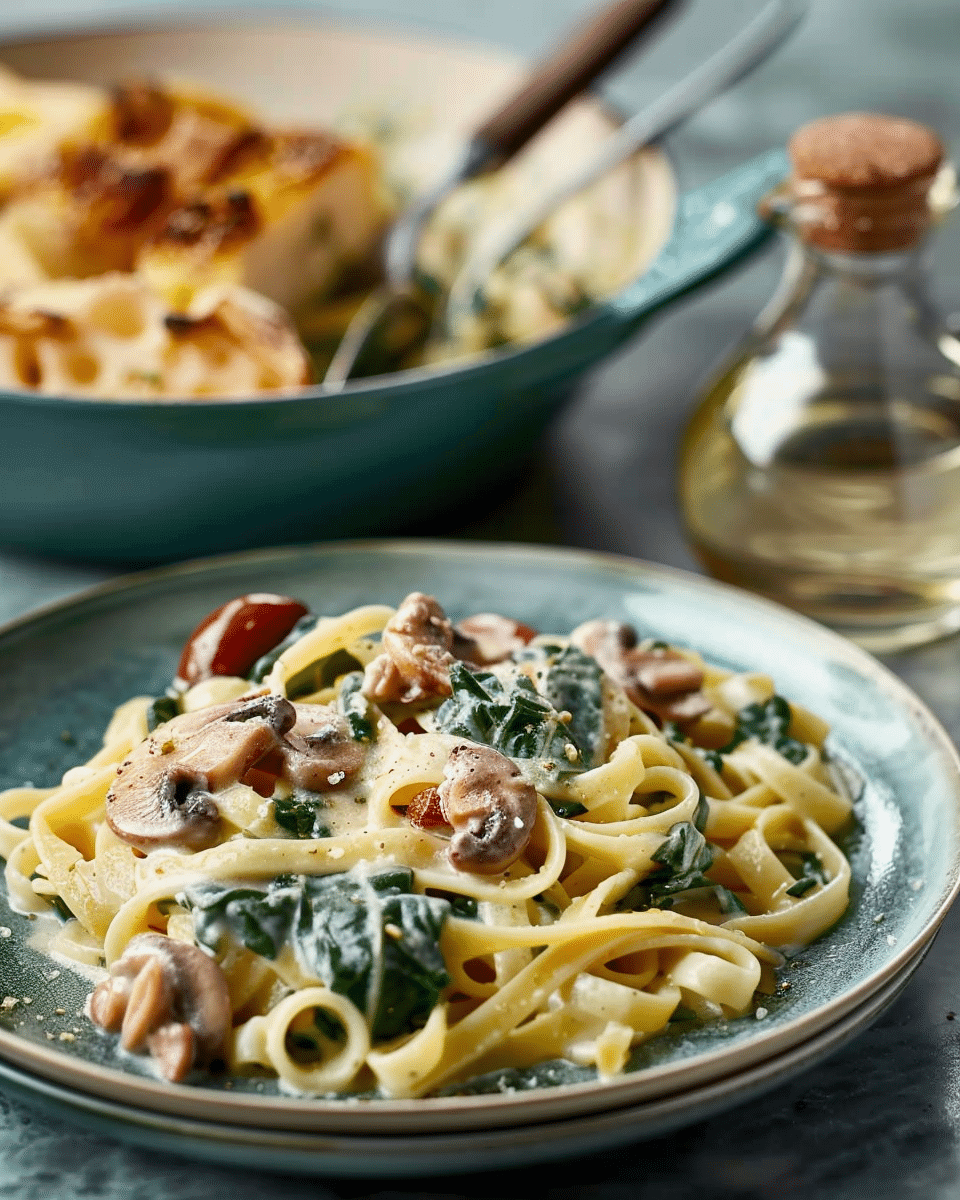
[199, 203]
[178, 210]
[384, 853]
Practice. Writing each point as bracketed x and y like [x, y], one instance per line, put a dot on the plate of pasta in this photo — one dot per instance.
[398, 837]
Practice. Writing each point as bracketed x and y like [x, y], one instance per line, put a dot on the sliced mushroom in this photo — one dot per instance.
[416, 659]
[229, 640]
[487, 638]
[658, 680]
[318, 752]
[169, 996]
[161, 795]
[490, 806]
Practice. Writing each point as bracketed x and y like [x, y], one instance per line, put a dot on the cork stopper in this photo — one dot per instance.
[861, 182]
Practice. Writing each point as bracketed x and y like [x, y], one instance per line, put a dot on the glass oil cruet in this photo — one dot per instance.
[822, 468]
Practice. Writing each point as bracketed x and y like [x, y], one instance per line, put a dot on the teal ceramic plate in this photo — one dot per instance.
[67, 667]
[307, 1153]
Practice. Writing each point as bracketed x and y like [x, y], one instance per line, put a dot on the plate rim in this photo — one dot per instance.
[453, 1111]
[322, 1152]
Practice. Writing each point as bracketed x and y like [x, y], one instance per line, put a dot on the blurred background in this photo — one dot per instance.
[604, 476]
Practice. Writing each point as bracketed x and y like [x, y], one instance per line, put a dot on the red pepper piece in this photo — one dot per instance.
[230, 639]
[425, 810]
[263, 775]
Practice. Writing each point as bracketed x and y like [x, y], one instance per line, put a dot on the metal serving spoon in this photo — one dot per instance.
[403, 312]
[754, 42]
[402, 309]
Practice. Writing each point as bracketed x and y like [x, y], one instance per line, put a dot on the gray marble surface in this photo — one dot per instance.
[882, 1117]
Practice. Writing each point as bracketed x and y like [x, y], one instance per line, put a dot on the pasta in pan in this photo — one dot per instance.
[382, 852]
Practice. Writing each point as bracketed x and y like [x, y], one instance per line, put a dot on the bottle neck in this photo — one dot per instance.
[845, 281]
[906, 266]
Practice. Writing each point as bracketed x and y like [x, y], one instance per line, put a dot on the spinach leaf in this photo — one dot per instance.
[308, 1043]
[259, 918]
[510, 717]
[163, 709]
[320, 674]
[57, 903]
[573, 684]
[355, 707]
[369, 938]
[464, 906]
[299, 814]
[316, 675]
[265, 664]
[684, 856]
[811, 873]
[567, 808]
[673, 733]
[713, 758]
[768, 723]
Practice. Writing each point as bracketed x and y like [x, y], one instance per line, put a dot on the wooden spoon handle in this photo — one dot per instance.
[579, 59]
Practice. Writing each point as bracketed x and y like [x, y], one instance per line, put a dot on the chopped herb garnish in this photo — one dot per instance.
[369, 938]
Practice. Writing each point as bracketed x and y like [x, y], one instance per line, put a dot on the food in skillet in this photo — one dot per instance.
[383, 852]
[181, 192]
[185, 190]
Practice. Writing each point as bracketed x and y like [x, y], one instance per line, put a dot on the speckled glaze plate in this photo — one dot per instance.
[312, 1153]
[65, 668]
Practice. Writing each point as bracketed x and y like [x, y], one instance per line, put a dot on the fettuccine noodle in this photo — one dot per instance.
[599, 869]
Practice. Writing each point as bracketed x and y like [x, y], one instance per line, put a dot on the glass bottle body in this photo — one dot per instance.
[823, 466]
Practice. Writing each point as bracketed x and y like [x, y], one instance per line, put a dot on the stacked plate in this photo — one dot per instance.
[67, 667]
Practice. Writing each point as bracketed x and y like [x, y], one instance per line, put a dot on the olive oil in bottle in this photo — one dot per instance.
[822, 467]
